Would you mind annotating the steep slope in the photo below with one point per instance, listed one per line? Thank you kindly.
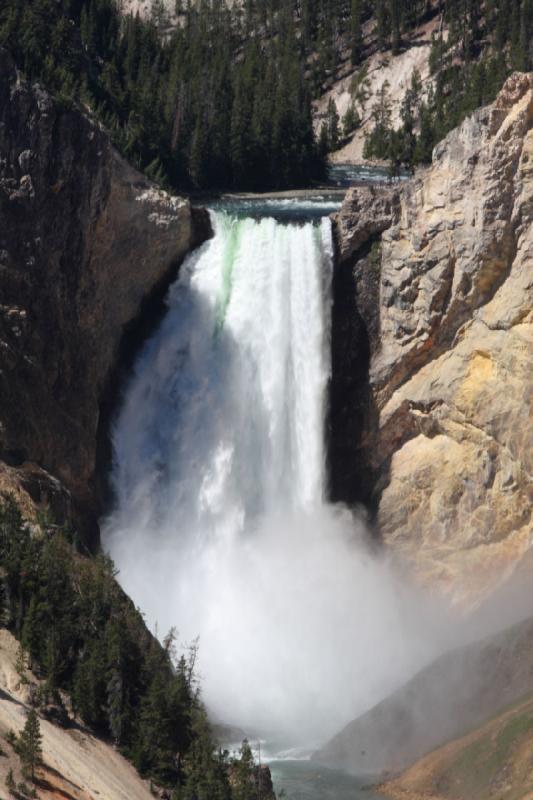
(85, 241)
(455, 693)
(493, 761)
(448, 422)
(76, 765)
(360, 87)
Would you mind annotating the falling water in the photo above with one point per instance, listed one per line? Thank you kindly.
(221, 525)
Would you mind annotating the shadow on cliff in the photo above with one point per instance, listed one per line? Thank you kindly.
(136, 334)
(352, 414)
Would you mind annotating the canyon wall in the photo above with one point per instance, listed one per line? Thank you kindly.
(85, 243)
(447, 306)
(455, 693)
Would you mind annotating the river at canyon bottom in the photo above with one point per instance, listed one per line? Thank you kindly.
(306, 780)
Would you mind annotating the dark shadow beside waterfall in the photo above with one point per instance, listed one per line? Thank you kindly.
(151, 313)
(352, 416)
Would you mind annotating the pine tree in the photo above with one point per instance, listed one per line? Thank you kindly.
(10, 782)
(29, 746)
(406, 141)
(119, 661)
(323, 140)
(243, 787)
(205, 770)
(159, 14)
(30, 637)
(395, 17)
(333, 125)
(377, 144)
(226, 99)
(426, 138)
(350, 120)
(356, 34)
(382, 23)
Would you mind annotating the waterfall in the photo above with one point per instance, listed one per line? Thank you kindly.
(221, 526)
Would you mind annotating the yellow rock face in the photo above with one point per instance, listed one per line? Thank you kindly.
(455, 369)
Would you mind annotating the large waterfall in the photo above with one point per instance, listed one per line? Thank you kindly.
(221, 525)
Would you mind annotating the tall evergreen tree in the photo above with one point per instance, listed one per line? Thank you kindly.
(29, 745)
(356, 33)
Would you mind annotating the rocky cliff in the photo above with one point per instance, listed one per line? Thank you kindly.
(85, 243)
(447, 306)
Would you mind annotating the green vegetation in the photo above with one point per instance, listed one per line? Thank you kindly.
(28, 745)
(83, 635)
(222, 102)
(10, 782)
(497, 757)
(330, 132)
(224, 98)
(486, 42)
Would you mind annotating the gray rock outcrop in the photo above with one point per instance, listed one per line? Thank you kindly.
(84, 241)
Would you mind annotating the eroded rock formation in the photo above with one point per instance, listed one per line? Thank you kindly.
(85, 241)
(450, 432)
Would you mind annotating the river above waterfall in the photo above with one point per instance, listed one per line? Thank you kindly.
(285, 208)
